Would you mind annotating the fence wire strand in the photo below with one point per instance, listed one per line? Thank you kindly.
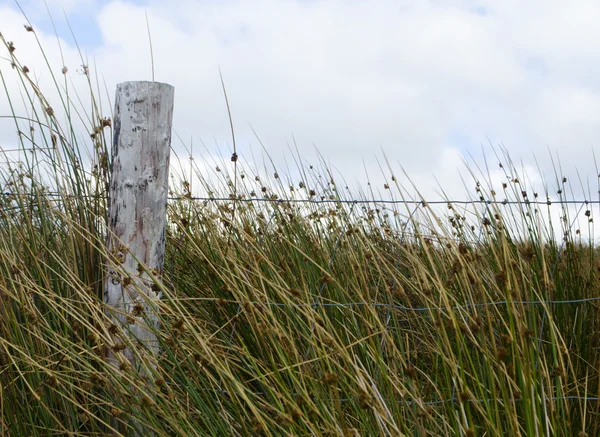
(331, 201)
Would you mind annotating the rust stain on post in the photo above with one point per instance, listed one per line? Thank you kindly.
(137, 209)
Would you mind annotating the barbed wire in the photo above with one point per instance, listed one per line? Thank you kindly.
(332, 201)
(395, 202)
(393, 306)
(443, 401)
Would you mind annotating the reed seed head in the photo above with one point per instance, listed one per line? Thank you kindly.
(331, 379)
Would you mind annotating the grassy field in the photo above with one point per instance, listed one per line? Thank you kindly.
(318, 318)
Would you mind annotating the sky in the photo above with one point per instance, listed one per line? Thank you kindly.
(426, 84)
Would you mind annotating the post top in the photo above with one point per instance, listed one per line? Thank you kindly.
(143, 82)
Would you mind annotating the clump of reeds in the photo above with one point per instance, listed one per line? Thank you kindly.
(337, 316)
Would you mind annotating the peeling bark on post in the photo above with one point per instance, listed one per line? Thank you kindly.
(137, 210)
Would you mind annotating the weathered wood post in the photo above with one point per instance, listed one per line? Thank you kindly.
(137, 210)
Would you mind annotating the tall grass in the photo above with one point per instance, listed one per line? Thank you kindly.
(288, 318)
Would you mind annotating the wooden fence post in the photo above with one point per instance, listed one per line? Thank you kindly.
(137, 210)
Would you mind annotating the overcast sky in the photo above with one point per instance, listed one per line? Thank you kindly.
(425, 82)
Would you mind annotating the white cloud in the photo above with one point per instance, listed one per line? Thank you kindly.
(39, 6)
(357, 77)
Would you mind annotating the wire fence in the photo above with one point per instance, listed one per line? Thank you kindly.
(390, 307)
(450, 400)
(330, 201)
(394, 307)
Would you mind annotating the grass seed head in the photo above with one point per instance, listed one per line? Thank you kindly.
(364, 400)
(502, 353)
(326, 279)
(331, 379)
(124, 365)
(118, 347)
(500, 278)
(410, 371)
